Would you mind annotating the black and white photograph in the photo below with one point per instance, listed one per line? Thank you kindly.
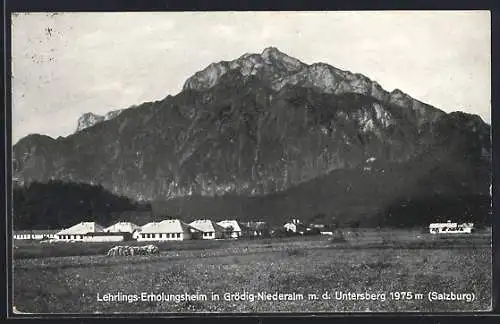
(251, 162)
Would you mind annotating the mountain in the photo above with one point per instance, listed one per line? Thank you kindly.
(89, 119)
(262, 125)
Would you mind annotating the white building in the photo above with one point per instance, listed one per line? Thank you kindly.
(132, 230)
(450, 228)
(295, 226)
(35, 234)
(107, 237)
(209, 229)
(122, 227)
(233, 228)
(78, 231)
(166, 230)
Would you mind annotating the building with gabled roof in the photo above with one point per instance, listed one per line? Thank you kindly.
(233, 228)
(166, 230)
(78, 231)
(209, 229)
(122, 227)
(295, 226)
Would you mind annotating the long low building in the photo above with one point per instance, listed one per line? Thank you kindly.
(107, 237)
(166, 230)
(35, 234)
(123, 227)
(450, 228)
(78, 231)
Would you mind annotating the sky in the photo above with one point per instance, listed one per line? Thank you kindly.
(68, 64)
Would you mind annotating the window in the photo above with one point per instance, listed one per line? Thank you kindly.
(153, 235)
(178, 235)
(143, 235)
(168, 235)
(81, 237)
(210, 234)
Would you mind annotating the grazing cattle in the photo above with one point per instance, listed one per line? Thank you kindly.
(133, 250)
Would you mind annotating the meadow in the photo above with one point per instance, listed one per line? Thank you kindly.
(67, 278)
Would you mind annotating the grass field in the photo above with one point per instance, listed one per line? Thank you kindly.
(67, 278)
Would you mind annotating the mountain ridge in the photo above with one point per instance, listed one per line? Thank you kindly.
(256, 126)
(89, 119)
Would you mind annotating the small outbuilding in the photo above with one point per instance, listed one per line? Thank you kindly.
(209, 229)
(234, 229)
(295, 226)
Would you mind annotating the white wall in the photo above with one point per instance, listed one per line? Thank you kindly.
(211, 235)
(72, 237)
(111, 238)
(163, 237)
(235, 234)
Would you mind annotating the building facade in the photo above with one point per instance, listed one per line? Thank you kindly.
(209, 230)
(107, 237)
(450, 228)
(166, 230)
(295, 226)
(234, 229)
(77, 232)
(35, 234)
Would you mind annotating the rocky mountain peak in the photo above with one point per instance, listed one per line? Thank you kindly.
(90, 119)
(271, 51)
(272, 55)
(257, 125)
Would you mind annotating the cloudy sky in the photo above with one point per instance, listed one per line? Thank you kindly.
(67, 64)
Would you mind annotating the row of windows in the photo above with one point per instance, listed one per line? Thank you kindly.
(69, 237)
(166, 235)
(23, 235)
(208, 234)
(33, 235)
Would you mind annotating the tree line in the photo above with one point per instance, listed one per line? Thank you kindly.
(59, 204)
